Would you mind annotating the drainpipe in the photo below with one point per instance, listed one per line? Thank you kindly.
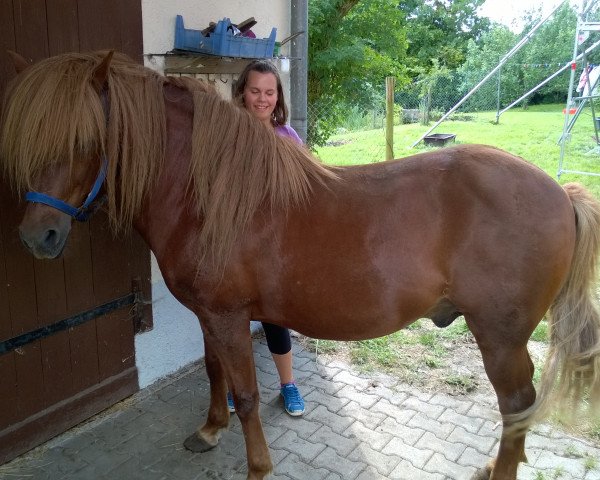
(299, 67)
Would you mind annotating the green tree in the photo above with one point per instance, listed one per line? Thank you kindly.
(441, 29)
(353, 46)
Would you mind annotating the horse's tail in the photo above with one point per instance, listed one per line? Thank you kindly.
(571, 375)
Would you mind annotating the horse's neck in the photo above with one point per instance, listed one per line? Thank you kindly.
(166, 207)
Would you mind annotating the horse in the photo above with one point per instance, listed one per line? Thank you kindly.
(247, 225)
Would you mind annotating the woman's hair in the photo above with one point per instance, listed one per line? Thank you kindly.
(280, 113)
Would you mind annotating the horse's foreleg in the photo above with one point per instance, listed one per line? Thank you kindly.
(229, 338)
(207, 435)
(510, 372)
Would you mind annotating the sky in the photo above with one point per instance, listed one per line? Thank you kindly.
(508, 12)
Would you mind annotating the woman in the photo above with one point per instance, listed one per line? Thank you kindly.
(259, 91)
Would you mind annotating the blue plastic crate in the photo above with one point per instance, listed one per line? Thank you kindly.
(222, 41)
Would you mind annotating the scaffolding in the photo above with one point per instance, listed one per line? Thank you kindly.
(575, 104)
(502, 61)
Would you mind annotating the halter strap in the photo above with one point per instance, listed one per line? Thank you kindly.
(80, 214)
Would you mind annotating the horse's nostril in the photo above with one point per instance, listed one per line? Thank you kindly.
(50, 237)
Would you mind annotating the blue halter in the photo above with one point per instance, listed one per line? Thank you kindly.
(80, 214)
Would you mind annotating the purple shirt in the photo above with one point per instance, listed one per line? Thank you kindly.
(287, 131)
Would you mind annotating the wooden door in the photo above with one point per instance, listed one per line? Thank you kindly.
(66, 326)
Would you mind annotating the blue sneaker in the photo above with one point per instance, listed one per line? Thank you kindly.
(292, 400)
(230, 404)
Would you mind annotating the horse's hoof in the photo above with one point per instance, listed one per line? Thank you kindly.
(196, 444)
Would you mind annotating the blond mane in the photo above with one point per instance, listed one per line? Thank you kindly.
(52, 113)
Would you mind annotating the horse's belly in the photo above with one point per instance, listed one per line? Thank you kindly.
(349, 312)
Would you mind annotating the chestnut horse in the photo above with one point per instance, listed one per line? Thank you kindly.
(247, 225)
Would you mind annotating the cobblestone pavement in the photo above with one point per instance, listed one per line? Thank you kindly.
(355, 428)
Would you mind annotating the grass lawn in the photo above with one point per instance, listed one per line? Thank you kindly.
(531, 134)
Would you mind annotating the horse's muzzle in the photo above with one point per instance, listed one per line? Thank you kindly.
(45, 241)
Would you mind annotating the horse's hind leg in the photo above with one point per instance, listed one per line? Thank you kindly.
(510, 371)
(207, 436)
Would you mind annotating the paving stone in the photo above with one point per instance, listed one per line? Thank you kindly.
(440, 430)
(423, 407)
(375, 437)
(409, 435)
(456, 405)
(333, 476)
(363, 415)
(351, 393)
(343, 366)
(473, 458)
(593, 474)
(472, 424)
(527, 472)
(401, 414)
(319, 369)
(306, 450)
(267, 378)
(333, 404)
(549, 461)
(215, 459)
(341, 444)
(298, 360)
(303, 426)
(357, 383)
(273, 433)
(330, 459)
(491, 429)
(337, 423)
(449, 450)
(438, 463)
(484, 412)
(275, 476)
(391, 394)
(405, 470)
(384, 464)
(15, 471)
(295, 468)
(371, 473)
(481, 443)
(418, 457)
(532, 454)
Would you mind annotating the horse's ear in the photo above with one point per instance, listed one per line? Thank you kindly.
(18, 61)
(101, 72)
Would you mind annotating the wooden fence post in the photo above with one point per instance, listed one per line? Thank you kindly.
(389, 117)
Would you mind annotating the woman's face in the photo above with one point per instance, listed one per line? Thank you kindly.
(260, 95)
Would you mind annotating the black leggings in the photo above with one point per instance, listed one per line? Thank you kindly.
(278, 338)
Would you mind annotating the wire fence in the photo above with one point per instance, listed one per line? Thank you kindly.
(421, 105)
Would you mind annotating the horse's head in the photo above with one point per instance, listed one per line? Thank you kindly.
(60, 196)
(63, 183)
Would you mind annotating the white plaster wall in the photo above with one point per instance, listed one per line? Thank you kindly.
(176, 339)
(159, 20)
